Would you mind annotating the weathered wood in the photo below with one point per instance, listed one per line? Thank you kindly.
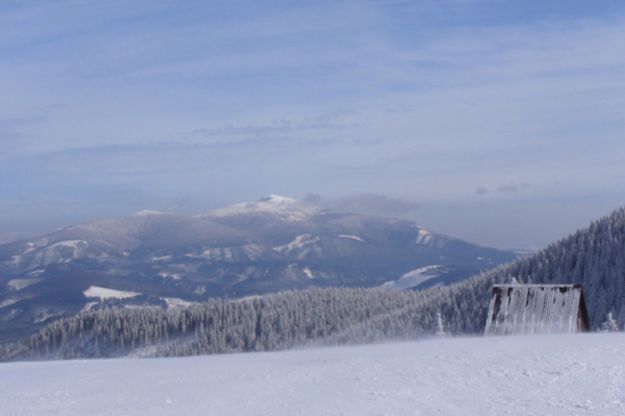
(536, 309)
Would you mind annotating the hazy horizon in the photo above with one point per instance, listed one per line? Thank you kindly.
(498, 123)
(367, 204)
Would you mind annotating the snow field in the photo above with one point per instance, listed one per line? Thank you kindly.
(541, 375)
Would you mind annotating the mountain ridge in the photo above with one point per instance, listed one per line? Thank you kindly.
(593, 257)
(274, 244)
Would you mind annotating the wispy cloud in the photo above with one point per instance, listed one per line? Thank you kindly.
(367, 203)
(511, 188)
(319, 123)
(420, 100)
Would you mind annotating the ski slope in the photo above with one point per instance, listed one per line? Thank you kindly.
(540, 375)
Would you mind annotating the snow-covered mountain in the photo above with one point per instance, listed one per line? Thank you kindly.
(592, 257)
(273, 244)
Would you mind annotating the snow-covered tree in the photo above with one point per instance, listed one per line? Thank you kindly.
(440, 327)
(610, 324)
(594, 257)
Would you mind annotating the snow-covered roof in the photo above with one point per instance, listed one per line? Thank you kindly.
(536, 309)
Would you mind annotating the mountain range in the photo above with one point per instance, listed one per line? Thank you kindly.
(593, 257)
(170, 260)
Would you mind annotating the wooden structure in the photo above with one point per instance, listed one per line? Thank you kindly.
(536, 309)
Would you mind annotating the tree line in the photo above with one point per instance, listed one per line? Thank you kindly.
(593, 257)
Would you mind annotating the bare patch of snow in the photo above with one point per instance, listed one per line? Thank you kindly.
(424, 237)
(13, 313)
(248, 298)
(19, 284)
(161, 258)
(303, 245)
(309, 274)
(88, 306)
(351, 237)
(170, 275)
(42, 317)
(12, 300)
(106, 293)
(253, 251)
(8, 302)
(414, 277)
(58, 252)
(31, 247)
(73, 244)
(227, 254)
(177, 303)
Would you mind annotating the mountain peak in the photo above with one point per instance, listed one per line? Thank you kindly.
(271, 204)
(275, 199)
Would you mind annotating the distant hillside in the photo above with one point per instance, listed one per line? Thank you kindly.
(594, 257)
(168, 260)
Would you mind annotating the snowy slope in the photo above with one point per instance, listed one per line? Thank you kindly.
(415, 277)
(542, 375)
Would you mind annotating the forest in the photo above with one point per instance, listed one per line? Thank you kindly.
(593, 257)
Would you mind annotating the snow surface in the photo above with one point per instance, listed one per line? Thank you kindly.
(58, 252)
(542, 375)
(351, 237)
(303, 245)
(105, 293)
(168, 275)
(291, 208)
(73, 244)
(19, 284)
(161, 258)
(415, 277)
(424, 237)
(8, 302)
(177, 303)
(309, 274)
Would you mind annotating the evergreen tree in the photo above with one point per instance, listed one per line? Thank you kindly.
(610, 324)
(440, 327)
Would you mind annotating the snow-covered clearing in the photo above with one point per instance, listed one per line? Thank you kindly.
(19, 284)
(351, 237)
(540, 375)
(300, 242)
(424, 237)
(106, 293)
(73, 244)
(415, 277)
(177, 303)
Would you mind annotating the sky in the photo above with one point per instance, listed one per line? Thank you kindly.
(500, 122)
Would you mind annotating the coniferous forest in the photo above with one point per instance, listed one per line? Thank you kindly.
(594, 257)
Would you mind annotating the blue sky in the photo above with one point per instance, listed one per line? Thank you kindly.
(501, 122)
